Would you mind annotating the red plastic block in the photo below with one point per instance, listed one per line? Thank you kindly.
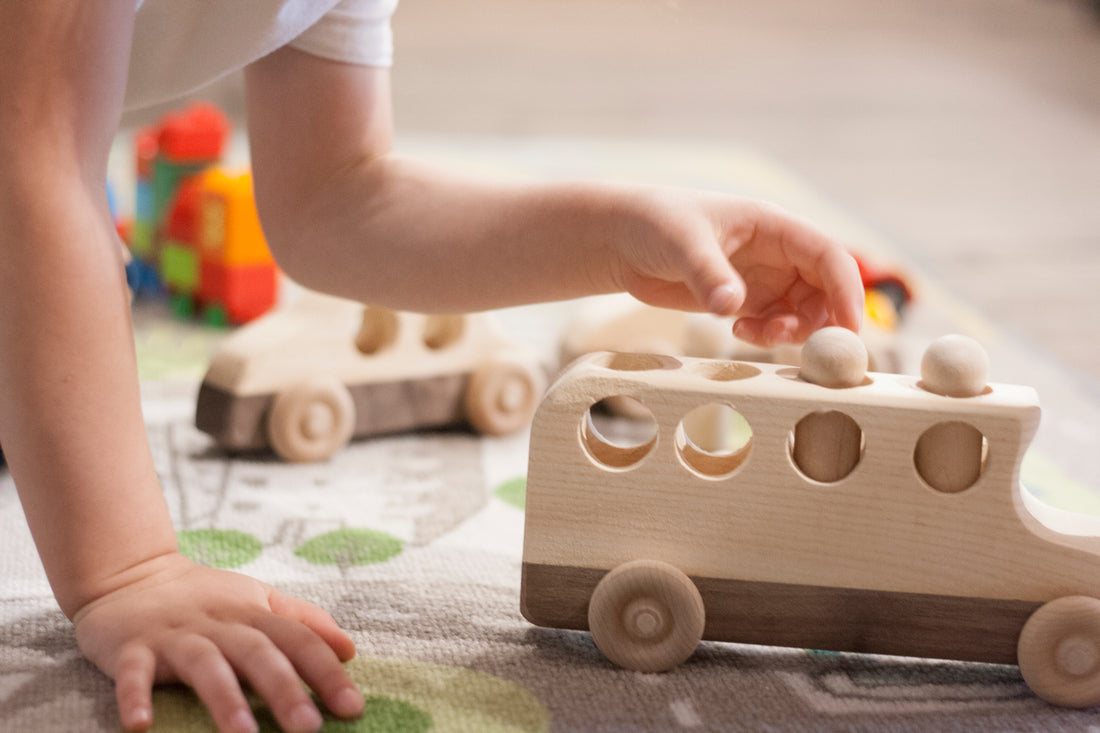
(196, 133)
(246, 292)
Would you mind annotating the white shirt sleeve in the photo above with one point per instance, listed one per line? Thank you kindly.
(180, 45)
(355, 31)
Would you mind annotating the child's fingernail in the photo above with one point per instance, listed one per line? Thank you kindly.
(721, 298)
(140, 719)
(243, 722)
(347, 702)
(304, 717)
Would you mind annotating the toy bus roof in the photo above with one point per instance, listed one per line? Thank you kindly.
(645, 374)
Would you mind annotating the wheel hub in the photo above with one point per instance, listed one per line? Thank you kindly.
(1076, 656)
(645, 620)
(318, 421)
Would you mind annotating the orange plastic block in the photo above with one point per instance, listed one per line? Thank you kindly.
(230, 232)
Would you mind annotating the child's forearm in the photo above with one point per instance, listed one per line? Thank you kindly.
(70, 415)
(343, 214)
(400, 233)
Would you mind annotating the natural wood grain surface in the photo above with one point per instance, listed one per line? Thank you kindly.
(884, 526)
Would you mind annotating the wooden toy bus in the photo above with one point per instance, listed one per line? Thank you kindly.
(817, 507)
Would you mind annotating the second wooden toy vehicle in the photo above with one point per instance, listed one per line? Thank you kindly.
(306, 380)
(819, 507)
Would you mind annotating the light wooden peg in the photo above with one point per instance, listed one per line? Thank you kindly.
(949, 455)
(827, 445)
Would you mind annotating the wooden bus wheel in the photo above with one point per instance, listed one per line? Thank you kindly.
(311, 420)
(646, 615)
(1059, 651)
(502, 396)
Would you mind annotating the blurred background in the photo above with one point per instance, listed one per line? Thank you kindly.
(967, 132)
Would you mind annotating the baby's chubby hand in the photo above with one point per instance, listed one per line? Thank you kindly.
(780, 276)
(175, 620)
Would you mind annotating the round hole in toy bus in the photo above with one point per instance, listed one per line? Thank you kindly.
(826, 446)
(378, 330)
(621, 361)
(618, 432)
(726, 371)
(951, 456)
(441, 331)
(713, 440)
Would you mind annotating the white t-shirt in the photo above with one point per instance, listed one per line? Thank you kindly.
(180, 45)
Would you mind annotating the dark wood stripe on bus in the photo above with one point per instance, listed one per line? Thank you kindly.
(811, 617)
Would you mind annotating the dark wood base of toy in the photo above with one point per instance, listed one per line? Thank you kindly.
(811, 617)
(238, 422)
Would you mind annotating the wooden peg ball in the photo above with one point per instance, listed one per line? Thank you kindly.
(834, 357)
(955, 366)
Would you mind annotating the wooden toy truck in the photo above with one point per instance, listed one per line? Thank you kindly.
(306, 380)
(817, 507)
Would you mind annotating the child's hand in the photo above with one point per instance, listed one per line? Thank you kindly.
(184, 622)
(781, 277)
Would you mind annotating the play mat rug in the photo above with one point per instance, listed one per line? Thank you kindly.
(413, 543)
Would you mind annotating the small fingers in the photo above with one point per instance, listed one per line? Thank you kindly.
(819, 260)
(317, 664)
(257, 659)
(844, 289)
(199, 663)
(134, 676)
(713, 281)
(768, 332)
(784, 323)
(315, 618)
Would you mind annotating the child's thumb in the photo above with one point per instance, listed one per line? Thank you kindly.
(718, 288)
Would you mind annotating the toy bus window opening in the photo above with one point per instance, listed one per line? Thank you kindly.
(713, 440)
(826, 446)
(441, 331)
(951, 456)
(618, 432)
(377, 332)
(627, 362)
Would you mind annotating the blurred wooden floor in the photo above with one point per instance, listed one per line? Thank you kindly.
(967, 131)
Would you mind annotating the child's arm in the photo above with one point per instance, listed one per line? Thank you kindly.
(70, 413)
(345, 215)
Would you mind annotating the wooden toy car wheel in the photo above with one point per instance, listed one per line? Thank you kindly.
(502, 396)
(311, 420)
(1059, 651)
(646, 615)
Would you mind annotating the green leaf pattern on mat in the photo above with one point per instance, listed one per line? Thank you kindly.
(381, 714)
(349, 547)
(513, 492)
(402, 695)
(219, 548)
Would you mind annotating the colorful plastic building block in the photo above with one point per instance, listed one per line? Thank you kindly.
(237, 276)
(306, 380)
(196, 224)
(819, 507)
